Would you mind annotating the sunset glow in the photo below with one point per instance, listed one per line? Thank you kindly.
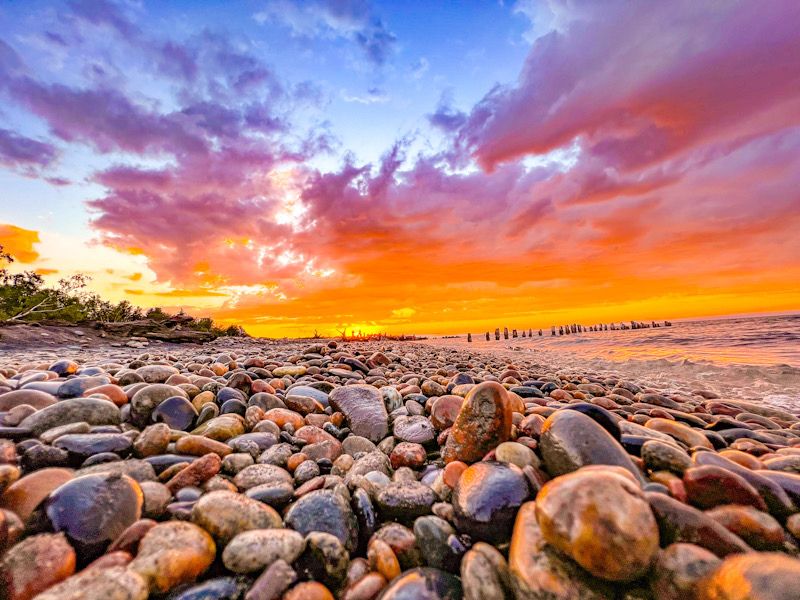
(407, 167)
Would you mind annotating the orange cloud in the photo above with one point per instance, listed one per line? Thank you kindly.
(19, 242)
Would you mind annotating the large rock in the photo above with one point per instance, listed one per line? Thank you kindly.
(597, 518)
(571, 440)
(538, 571)
(91, 410)
(483, 422)
(362, 406)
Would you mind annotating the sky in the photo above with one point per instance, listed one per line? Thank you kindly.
(408, 167)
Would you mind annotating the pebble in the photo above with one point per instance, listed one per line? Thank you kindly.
(324, 559)
(485, 574)
(324, 470)
(425, 583)
(115, 583)
(90, 410)
(571, 440)
(483, 422)
(486, 499)
(539, 571)
(25, 494)
(226, 514)
(35, 564)
(763, 576)
(172, 554)
(93, 510)
(363, 407)
(326, 511)
(254, 550)
(596, 518)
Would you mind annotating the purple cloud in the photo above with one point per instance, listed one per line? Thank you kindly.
(19, 151)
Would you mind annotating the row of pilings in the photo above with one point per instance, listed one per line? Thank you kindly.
(575, 328)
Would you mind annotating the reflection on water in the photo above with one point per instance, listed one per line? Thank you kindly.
(755, 358)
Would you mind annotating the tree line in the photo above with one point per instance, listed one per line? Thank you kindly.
(24, 297)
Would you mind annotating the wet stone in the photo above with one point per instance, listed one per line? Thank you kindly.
(596, 517)
(80, 446)
(485, 574)
(177, 412)
(326, 511)
(760, 576)
(116, 583)
(24, 495)
(90, 410)
(679, 568)
(571, 440)
(93, 510)
(539, 571)
(486, 499)
(425, 583)
(483, 422)
(437, 541)
(153, 440)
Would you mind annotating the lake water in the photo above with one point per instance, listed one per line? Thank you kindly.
(752, 358)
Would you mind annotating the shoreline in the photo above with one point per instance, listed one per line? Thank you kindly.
(347, 470)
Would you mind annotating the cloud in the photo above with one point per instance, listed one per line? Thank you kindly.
(18, 151)
(19, 242)
(373, 96)
(354, 20)
(643, 155)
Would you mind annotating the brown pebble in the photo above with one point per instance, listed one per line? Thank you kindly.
(272, 582)
(382, 559)
(129, 539)
(366, 588)
(34, 565)
(196, 473)
(308, 590)
(26, 493)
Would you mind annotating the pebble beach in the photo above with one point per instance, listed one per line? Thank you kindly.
(316, 469)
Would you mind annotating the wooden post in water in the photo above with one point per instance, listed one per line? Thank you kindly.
(487, 336)
(469, 337)
(523, 333)
(505, 332)
(552, 330)
(513, 333)
(540, 333)
(497, 333)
